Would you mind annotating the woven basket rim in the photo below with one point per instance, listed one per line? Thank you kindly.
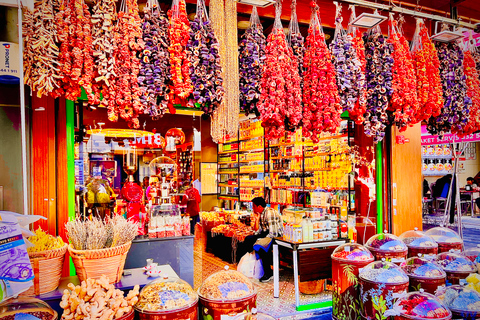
(100, 253)
(49, 254)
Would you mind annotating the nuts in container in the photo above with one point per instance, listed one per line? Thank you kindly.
(226, 285)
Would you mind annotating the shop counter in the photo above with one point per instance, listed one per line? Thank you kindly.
(175, 251)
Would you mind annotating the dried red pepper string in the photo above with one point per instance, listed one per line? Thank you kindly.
(473, 91)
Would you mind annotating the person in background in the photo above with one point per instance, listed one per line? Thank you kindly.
(192, 199)
(197, 184)
(268, 224)
(426, 188)
(471, 182)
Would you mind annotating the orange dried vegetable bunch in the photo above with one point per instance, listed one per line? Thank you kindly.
(473, 91)
(179, 34)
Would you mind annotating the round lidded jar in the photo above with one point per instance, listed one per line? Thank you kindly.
(388, 246)
(424, 274)
(421, 305)
(446, 238)
(474, 255)
(34, 308)
(352, 252)
(171, 298)
(418, 242)
(456, 265)
(464, 302)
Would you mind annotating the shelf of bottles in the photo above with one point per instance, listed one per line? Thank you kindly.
(228, 167)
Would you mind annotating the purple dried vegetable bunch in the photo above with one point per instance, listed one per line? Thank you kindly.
(455, 111)
(154, 76)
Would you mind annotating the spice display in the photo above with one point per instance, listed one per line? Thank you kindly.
(427, 64)
(473, 92)
(352, 252)
(419, 243)
(280, 100)
(43, 241)
(127, 66)
(179, 33)
(378, 53)
(166, 294)
(251, 59)
(446, 236)
(385, 242)
(226, 285)
(205, 65)
(154, 75)
(96, 299)
(461, 300)
(404, 100)
(321, 104)
(350, 77)
(98, 234)
(455, 262)
(420, 305)
(454, 114)
(383, 272)
(422, 267)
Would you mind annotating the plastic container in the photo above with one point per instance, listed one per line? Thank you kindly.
(446, 238)
(167, 299)
(347, 260)
(380, 279)
(456, 266)
(419, 243)
(388, 246)
(226, 293)
(424, 274)
(421, 305)
(253, 316)
(474, 255)
(462, 301)
(37, 309)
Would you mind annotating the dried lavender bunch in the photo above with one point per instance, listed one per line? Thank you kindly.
(122, 231)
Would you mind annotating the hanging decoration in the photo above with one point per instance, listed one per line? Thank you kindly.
(103, 24)
(295, 39)
(179, 33)
(28, 34)
(378, 53)
(473, 89)
(350, 78)
(205, 67)
(154, 76)
(429, 86)
(321, 103)
(127, 65)
(280, 99)
(251, 60)
(454, 114)
(404, 102)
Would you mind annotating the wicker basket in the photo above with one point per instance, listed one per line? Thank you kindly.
(47, 267)
(95, 263)
(311, 287)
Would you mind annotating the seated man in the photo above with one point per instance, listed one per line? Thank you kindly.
(268, 224)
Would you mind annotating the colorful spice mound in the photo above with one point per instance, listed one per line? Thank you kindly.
(473, 85)
(454, 115)
(423, 242)
(179, 33)
(321, 103)
(473, 281)
(455, 262)
(378, 53)
(386, 242)
(427, 64)
(382, 273)
(226, 285)
(42, 241)
(251, 60)
(422, 267)
(205, 67)
(154, 76)
(421, 305)
(165, 296)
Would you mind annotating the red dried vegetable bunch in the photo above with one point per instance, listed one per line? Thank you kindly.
(179, 33)
(404, 101)
(129, 41)
(427, 64)
(280, 99)
(321, 103)
(473, 91)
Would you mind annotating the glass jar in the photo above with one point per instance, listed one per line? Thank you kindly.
(34, 308)
(419, 243)
(462, 301)
(421, 305)
(456, 266)
(424, 274)
(446, 238)
(388, 246)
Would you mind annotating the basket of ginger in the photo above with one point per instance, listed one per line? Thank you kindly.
(46, 257)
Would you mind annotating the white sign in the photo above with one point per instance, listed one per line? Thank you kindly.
(9, 63)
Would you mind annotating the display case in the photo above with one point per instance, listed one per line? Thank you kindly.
(474, 255)
(424, 274)
(421, 305)
(27, 308)
(380, 280)
(167, 299)
(347, 260)
(456, 266)
(419, 243)
(226, 293)
(446, 238)
(388, 246)
(462, 301)
(165, 221)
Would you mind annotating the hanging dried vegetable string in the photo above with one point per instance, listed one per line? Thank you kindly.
(154, 76)
(321, 103)
(404, 101)
(473, 87)
(103, 24)
(295, 39)
(251, 60)
(429, 86)
(205, 68)
(378, 52)
(350, 78)
(28, 33)
(66, 21)
(280, 99)
(179, 33)
(128, 37)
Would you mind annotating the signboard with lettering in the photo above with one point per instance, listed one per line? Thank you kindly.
(9, 63)
(447, 138)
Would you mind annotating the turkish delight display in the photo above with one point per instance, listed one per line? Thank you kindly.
(420, 305)
(446, 238)
(419, 243)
